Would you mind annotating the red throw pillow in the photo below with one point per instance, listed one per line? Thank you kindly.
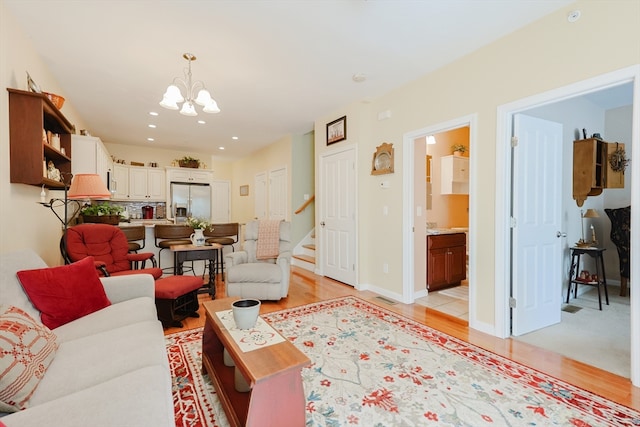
(65, 293)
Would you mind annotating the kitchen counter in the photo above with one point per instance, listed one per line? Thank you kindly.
(145, 222)
(454, 230)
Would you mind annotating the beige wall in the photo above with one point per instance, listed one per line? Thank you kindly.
(24, 223)
(275, 156)
(547, 54)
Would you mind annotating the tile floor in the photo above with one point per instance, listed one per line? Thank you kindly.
(452, 301)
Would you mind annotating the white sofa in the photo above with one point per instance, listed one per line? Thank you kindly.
(111, 367)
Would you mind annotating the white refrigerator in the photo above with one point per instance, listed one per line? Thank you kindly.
(190, 200)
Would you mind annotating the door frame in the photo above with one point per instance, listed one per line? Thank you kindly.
(409, 262)
(503, 248)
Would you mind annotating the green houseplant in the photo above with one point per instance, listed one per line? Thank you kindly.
(104, 213)
(458, 148)
(189, 162)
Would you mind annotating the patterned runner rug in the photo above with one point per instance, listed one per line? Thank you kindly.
(372, 367)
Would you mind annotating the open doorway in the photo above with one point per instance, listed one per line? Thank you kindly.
(419, 215)
(447, 221)
(577, 108)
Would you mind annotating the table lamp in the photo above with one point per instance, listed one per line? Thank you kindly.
(84, 186)
(590, 213)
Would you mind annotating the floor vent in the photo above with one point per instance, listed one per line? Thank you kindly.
(386, 300)
(571, 308)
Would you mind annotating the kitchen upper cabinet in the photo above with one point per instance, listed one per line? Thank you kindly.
(188, 175)
(30, 116)
(119, 185)
(146, 184)
(90, 156)
(446, 260)
(454, 175)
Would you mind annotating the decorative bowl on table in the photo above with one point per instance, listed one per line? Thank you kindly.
(57, 100)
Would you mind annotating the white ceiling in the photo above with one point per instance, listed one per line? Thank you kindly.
(273, 66)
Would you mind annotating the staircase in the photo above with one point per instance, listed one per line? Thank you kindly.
(305, 253)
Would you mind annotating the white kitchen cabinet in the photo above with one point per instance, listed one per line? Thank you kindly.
(139, 183)
(454, 175)
(90, 156)
(146, 184)
(120, 182)
(188, 175)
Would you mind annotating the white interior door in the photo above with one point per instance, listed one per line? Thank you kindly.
(278, 194)
(260, 196)
(221, 206)
(537, 205)
(337, 216)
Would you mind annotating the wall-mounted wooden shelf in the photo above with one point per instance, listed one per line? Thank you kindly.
(30, 114)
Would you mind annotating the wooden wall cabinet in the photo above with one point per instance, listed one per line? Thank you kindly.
(446, 260)
(91, 156)
(29, 114)
(592, 172)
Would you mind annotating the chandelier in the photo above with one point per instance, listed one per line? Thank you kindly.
(173, 95)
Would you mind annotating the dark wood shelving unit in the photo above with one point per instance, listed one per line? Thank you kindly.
(29, 114)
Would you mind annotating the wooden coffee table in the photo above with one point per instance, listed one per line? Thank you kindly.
(273, 373)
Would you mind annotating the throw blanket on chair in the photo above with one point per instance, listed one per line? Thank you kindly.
(268, 245)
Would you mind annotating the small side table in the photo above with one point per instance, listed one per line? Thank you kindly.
(574, 273)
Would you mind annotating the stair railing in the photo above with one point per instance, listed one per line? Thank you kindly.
(305, 204)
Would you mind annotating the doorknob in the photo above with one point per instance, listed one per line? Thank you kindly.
(322, 223)
(560, 234)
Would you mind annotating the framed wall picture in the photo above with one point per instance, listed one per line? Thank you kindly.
(337, 130)
(244, 190)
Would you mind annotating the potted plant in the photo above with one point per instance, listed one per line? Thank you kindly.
(189, 162)
(103, 213)
(458, 149)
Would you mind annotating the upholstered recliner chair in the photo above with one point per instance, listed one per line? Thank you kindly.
(264, 279)
(109, 248)
(621, 237)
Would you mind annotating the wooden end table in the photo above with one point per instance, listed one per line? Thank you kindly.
(273, 373)
(182, 253)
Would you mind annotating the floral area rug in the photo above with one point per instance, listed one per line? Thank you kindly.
(371, 367)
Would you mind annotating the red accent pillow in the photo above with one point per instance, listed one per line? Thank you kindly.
(65, 293)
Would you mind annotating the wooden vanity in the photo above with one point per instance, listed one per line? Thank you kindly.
(446, 260)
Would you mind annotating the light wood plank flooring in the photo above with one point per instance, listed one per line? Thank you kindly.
(307, 287)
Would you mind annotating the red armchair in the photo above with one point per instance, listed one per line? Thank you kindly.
(109, 247)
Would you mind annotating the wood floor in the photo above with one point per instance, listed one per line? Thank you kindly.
(307, 287)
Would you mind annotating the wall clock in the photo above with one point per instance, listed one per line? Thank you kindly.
(382, 159)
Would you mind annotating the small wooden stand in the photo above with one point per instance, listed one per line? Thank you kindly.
(276, 396)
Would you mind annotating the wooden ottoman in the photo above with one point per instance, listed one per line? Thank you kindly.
(177, 298)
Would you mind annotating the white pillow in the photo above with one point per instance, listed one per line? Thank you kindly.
(27, 348)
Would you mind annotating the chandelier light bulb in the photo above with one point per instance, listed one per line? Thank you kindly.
(173, 94)
(188, 109)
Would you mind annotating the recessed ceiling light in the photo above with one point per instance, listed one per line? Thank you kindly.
(359, 77)
(152, 126)
(150, 139)
(153, 113)
(234, 137)
(201, 122)
(220, 148)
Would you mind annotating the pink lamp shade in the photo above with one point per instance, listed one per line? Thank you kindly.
(88, 186)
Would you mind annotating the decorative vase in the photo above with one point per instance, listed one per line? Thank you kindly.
(457, 153)
(245, 312)
(197, 237)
